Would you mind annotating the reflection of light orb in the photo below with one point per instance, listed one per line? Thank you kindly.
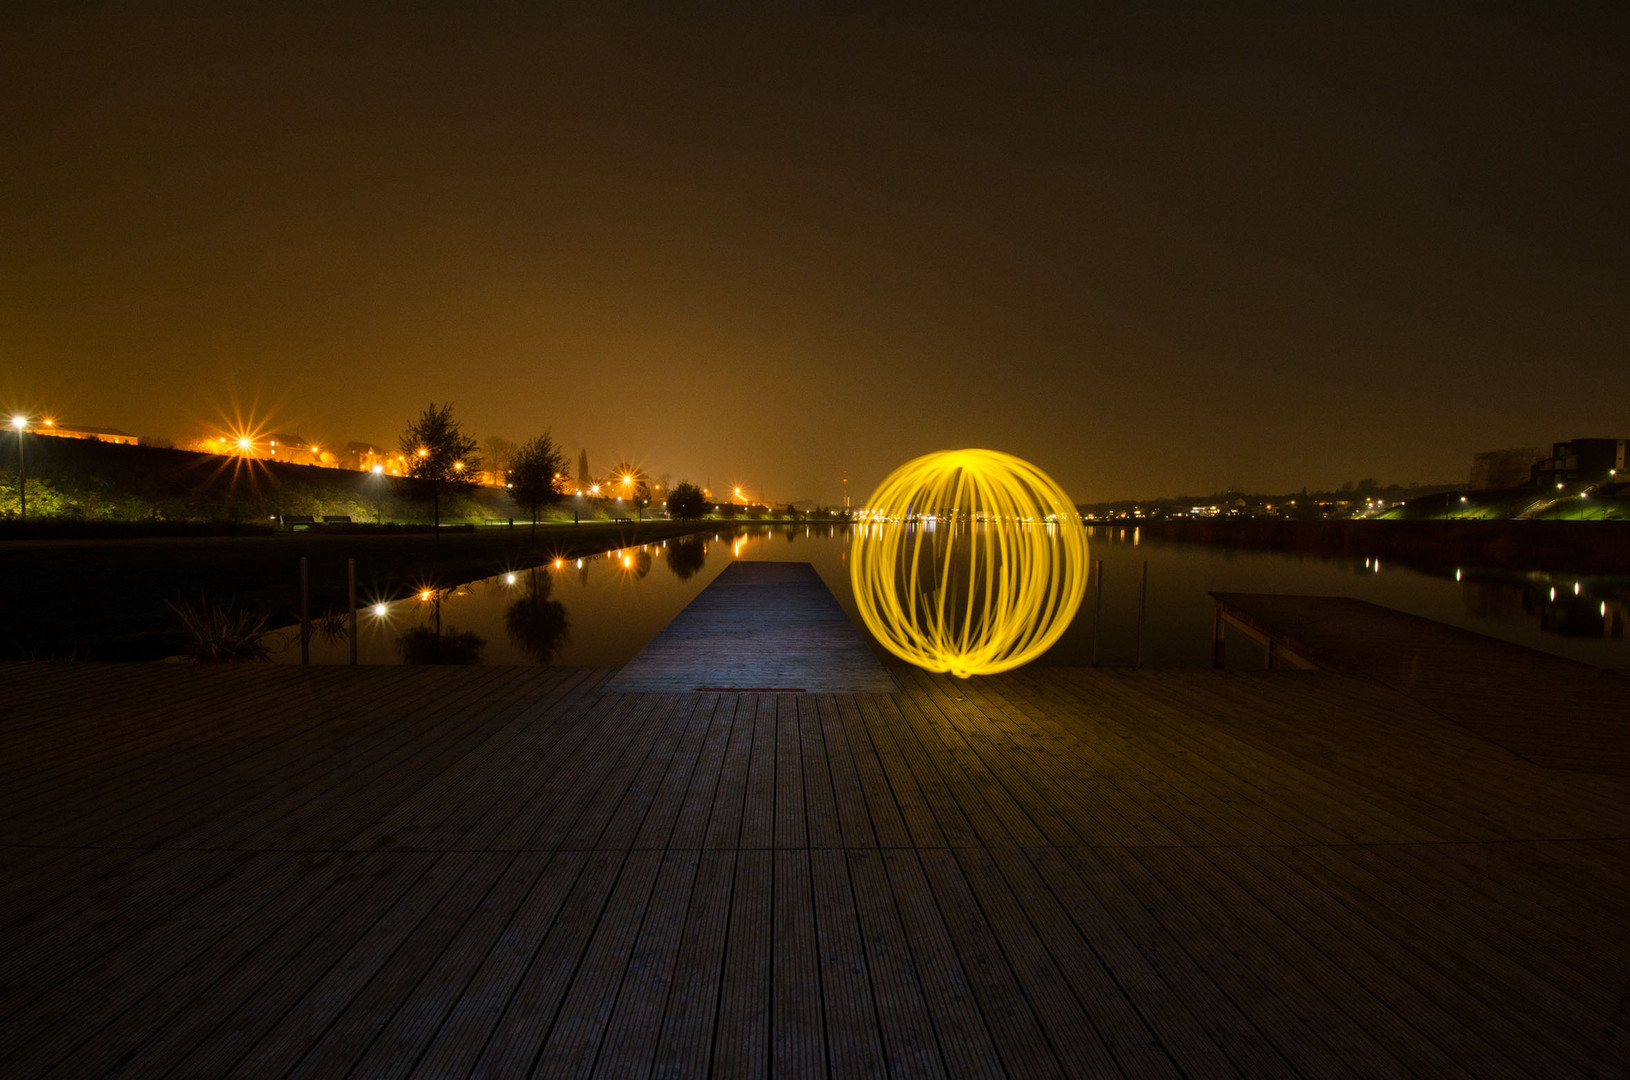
(968, 561)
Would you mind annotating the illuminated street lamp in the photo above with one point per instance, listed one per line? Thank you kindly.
(21, 424)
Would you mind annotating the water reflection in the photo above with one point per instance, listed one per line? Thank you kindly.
(537, 624)
(687, 556)
(611, 609)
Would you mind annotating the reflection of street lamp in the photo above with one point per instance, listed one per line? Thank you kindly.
(21, 424)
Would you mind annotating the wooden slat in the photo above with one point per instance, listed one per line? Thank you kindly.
(1051, 872)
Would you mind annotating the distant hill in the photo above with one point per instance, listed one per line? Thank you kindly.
(93, 481)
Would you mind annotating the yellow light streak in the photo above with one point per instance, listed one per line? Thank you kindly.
(968, 561)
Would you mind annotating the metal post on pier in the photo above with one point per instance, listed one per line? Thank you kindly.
(1097, 606)
(1143, 592)
(351, 588)
(305, 616)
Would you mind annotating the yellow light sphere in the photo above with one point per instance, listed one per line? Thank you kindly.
(968, 561)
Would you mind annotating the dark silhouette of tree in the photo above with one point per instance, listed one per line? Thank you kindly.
(686, 501)
(538, 625)
(535, 473)
(439, 455)
(687, 556)
(426, 645)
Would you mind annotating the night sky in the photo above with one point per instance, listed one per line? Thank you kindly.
(1172, 253)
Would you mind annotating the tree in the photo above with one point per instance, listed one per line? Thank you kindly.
(499, 452)
(535, 473)
(686, 501)
(439, 454)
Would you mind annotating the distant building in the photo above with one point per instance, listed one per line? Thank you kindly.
(75, 431)
(1496, 470)
(363, 456)
(278, 446)
(1580, 461)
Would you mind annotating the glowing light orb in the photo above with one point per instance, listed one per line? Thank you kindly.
(968, 561)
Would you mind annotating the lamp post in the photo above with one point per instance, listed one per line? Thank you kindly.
(21, 424)
(379, 484)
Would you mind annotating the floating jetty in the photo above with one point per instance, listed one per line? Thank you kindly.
(1552, 711)
(459, 872)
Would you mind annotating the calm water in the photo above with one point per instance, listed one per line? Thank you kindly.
(602, 610)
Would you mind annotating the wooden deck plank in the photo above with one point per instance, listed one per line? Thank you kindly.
(853, 1040)
(86, 985)
(632, 1030)
(965, 1040)
(759, 802)
(462, 979)
(1070, 1031)
(798, 1037)
(758, 626)
(211, 948)
(1066, 872)
(690, 820)
(244, 1000)
(669, 797)
(791, 827)
(574, 1038)
(820, 803)
(886, 808)
(530, 1011)
(905, 1024)
(506, 972)
(685, 1046)
(742, 1041)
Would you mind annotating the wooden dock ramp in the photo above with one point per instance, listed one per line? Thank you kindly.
(1554, 712)
(767, 627)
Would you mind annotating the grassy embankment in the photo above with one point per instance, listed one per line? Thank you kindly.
(114, 532)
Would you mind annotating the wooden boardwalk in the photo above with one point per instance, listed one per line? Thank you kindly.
(1550, 710)
(760, 626)
(503, 872)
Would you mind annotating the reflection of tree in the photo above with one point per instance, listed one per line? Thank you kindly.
(686, 556)
(639, 565)
(537, 625)
(424, 645)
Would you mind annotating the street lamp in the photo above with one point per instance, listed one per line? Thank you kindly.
(21, 424)
(379, 484)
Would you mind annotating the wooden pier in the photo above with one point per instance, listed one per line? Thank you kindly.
(761, 626)
(503, 872)
(1550, 710)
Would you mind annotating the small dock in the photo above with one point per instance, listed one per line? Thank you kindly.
(766, 627)
(1549, 710)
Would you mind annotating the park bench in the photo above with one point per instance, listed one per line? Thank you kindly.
(295, 521)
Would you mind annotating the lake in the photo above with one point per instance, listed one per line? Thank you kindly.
(603, 609)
